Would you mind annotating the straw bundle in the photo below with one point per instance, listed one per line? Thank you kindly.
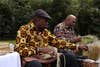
(94, 50)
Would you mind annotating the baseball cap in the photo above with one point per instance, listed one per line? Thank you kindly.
(42, 13)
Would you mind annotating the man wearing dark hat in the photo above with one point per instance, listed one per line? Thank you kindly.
(27, 36)
(33, 36)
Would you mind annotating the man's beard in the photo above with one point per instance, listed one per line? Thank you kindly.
(41, 28)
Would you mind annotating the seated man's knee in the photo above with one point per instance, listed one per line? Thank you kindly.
(33, 63)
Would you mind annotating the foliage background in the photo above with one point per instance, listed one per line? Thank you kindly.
(14, 13)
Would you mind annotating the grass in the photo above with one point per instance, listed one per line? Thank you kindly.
(9, 41)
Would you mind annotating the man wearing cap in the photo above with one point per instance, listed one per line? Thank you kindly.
(33, 36)
(27, 36)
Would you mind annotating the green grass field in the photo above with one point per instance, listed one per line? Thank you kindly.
(9, 41)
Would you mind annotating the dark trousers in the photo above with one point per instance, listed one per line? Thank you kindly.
(33, 64)
(71, 60)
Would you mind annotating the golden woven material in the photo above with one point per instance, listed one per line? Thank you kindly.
(87, 64)
(28, 40)
(94, 51)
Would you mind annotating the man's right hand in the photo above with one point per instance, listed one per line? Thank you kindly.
(52, 51)
(76, 39)
(83, 47)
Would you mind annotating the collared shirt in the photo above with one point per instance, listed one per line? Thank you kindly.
(28, 40)
(64, 32)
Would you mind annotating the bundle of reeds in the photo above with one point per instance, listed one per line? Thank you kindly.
(94, 51)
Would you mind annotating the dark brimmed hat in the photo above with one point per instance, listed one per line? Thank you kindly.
(42, 13)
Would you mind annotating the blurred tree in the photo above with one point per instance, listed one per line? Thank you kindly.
(95, 24)
(74, 7)
(58, 11)
(5, 17)
(97, 3)
(85, 16)
(14, 13)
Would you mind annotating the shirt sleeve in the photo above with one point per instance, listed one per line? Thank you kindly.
(60, 43)
(22, 42)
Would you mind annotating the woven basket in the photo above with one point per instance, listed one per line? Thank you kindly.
(4, 48)
(88, 64)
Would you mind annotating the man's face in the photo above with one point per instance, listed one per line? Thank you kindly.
(42, 24)
(70, 21)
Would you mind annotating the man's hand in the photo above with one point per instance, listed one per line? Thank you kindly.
(28, 59)
(83, 47)
(47, 51)
(76, 39)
